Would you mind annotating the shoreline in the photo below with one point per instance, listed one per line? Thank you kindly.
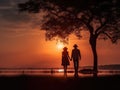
(57, 72)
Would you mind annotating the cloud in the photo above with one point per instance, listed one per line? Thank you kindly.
(9, 2)
(11, 20)
(5, 7)
(9, 11)
(10, 17)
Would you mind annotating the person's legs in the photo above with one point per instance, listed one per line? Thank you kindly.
(65, 70)
(76, 65)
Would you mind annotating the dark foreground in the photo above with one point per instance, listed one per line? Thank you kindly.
(59, 83)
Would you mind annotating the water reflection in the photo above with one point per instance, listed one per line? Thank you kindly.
(53, 72)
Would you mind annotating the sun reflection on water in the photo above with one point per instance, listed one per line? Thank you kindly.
(60, 70)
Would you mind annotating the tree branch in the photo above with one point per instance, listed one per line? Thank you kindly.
(100, 28)
(107, 35)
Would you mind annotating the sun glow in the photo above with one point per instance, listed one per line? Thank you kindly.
(60, 45)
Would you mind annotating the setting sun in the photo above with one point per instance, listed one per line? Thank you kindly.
(60, 45)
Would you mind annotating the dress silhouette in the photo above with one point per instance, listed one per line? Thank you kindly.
(76, 57)
(65, 60)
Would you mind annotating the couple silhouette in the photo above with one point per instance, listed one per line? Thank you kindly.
(75, 57)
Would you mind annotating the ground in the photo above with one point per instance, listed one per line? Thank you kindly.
(24, 82)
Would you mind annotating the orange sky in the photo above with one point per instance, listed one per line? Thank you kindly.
(29, 49)
(22, 44)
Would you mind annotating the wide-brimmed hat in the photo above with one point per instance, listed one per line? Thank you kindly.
(75, 45)
(65, 48)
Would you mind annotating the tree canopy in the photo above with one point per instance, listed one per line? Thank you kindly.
(64, 17)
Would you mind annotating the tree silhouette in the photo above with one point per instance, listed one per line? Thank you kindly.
(101, 18)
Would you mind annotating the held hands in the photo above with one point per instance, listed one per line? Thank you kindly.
(70, 59)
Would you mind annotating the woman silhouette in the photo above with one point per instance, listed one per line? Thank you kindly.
(65, 60)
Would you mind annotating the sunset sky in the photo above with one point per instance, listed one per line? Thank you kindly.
(23, 44)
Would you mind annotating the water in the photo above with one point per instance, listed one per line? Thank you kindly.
(52, 72)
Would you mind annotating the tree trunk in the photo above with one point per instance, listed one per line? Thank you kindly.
(93, 39)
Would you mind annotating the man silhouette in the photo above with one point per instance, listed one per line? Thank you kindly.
(76, 56)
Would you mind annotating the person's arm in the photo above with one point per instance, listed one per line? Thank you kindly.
(79, 54)
(62, 55)
(71, 55)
